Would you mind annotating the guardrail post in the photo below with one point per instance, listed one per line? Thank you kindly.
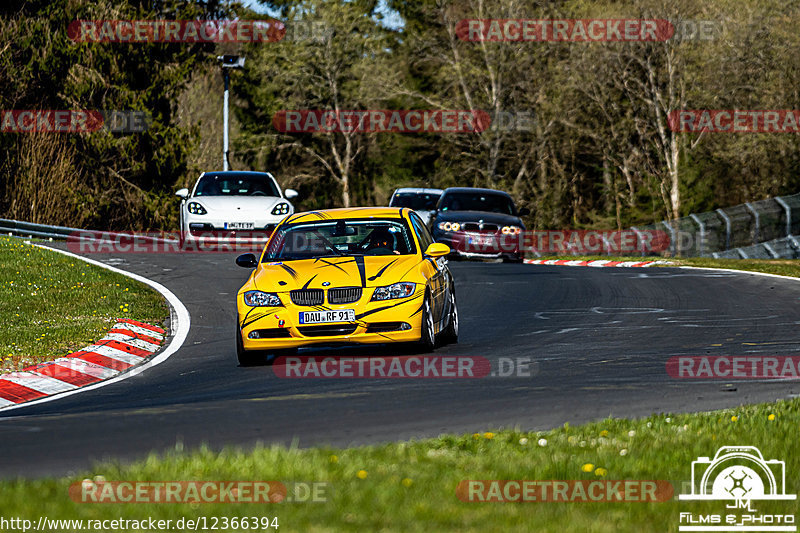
(702, 241)
(786, 207)
(671, 230)
(758, 221)
(638, 238)
(727, 220)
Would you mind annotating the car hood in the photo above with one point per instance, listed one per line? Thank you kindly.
(239, 205)
(475, 216)
(346, 271)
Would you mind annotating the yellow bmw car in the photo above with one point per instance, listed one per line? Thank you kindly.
(360, 275)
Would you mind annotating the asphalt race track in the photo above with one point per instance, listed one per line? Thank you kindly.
(599, 337)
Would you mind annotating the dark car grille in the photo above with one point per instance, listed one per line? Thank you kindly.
(327, 330)
(344, 295)
(307, 296)
(473, 226)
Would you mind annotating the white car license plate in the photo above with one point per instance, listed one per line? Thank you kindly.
(480, 240)
(322, 317)
(240, 225)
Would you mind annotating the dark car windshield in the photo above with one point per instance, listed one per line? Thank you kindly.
(418, 201)
(478, 201)
(310, 240)
(236, 185)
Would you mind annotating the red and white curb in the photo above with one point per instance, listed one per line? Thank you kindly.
(595, 263)
(126, 345)
(180, 323)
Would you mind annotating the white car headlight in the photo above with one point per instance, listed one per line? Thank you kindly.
(262, 299)
(402, 289)
(511, 230)
(196, 209)
(281, 209)
(449, 226)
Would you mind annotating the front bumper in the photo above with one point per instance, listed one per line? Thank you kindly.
(481, 245)
(385, 321)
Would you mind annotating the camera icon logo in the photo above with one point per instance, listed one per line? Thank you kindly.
(738, 473)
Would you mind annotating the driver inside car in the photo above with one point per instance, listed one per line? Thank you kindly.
(381, 238)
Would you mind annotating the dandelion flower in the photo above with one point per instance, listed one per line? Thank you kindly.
(362, 474)
(588, 467)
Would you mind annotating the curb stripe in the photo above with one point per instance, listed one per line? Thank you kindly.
(137, 330)
(67, 375)
(133, 334)
(132, 341)
(38, 382)
(85, 367)
(142, 325)
(113, 353)
(107, 362)
(595, 263)
(17, 393)
(121, 347)
(6, 403)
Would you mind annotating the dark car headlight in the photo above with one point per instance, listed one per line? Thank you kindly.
(449, 226)
(262, 299)
(511, 230)
(281, 209)
(402, 289)
(196, 209)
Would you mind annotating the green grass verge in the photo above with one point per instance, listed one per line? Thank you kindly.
(411, 486)
(52, 304)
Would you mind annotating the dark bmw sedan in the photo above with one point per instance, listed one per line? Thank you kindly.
(479, 223)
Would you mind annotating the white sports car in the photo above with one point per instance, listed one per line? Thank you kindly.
(233, 204)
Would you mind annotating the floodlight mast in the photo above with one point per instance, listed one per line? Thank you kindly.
(227, 62)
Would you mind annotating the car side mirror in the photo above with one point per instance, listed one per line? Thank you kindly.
(247, 261)
(183, 194)
(524, 212)
(290, 194)
(437, 249)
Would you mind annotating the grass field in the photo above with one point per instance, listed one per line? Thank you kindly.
(411, 486)
(52, 304)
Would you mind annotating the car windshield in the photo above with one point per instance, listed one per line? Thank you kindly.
(311, 240)
(236, 185)
(478, 201)
(419, 201)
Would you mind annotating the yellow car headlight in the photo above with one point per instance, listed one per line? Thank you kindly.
(402, 289)
(262, 299)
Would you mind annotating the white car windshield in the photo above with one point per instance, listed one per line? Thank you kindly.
(233, 184)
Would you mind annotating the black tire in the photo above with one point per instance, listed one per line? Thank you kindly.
(450, 334)
(427, 338)
(251, 358)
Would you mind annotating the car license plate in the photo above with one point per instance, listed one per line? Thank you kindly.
(480, 240)
(240, 225)
(322, 317)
